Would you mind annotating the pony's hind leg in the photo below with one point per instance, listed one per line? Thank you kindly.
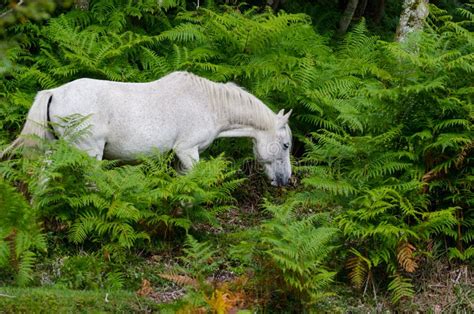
(188, 157)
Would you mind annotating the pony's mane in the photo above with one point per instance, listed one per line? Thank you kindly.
(234, 103)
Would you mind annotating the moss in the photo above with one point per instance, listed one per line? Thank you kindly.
(41, 300)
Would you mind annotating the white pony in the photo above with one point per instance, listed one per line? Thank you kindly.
(180, 112)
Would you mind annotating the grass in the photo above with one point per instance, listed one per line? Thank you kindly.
(48, 300)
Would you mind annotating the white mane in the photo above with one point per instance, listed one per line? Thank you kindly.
(233, 103)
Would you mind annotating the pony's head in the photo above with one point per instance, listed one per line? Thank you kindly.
(272, 149)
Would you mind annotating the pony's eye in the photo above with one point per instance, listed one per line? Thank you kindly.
(286, 145)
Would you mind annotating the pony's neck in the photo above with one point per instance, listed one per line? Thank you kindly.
(238, 109)
(238, 131)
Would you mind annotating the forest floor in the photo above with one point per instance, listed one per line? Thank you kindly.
(444, 291)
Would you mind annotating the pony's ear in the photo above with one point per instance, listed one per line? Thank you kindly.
(283, 118)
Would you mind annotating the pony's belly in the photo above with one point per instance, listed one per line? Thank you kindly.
(128, 150)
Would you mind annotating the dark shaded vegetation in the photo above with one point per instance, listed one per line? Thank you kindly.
(383, 161)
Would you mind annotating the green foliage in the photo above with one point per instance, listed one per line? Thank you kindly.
(17, 12)
(298, 248)
(393, 148)
(20, 235)
(36, 10)
(291, 253)
(115, 208)
(196, 265)
(197, 257)
(401, 288)
(87, 272)
(38, 300)
(387, 129)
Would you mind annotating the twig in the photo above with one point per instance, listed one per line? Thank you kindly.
(8, 11)
(366, 286)
(7, 296)
(375, 293)
(458, 277)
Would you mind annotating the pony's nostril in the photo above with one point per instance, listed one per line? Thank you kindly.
(282, 180)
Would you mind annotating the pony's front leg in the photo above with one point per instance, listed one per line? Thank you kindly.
(94, 148)
(188, 157)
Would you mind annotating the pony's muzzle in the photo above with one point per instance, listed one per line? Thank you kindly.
(280, 180)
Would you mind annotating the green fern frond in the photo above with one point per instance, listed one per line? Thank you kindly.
(25, 268)
(359, 267)
(197, 257)
(298, 247)
(400, 288)
(466, 255)
(439, 222)
(183, 33)
(449, 140)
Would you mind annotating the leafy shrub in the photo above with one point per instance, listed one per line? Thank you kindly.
(298, 249)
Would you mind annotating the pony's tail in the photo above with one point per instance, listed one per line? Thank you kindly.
(36, 126)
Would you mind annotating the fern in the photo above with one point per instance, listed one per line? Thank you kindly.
(88, 271)
(464, 255)
(292, 252)
(398, 170)
(181, 280)
(196, 266)
(197, 257)
(122, 206)
(401, 288)
(359, 269)
(20, 235)
(387, 128)
(406, 257)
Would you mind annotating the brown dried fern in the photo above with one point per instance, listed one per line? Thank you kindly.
(406, 258)
(181, 280)
(145, 289)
